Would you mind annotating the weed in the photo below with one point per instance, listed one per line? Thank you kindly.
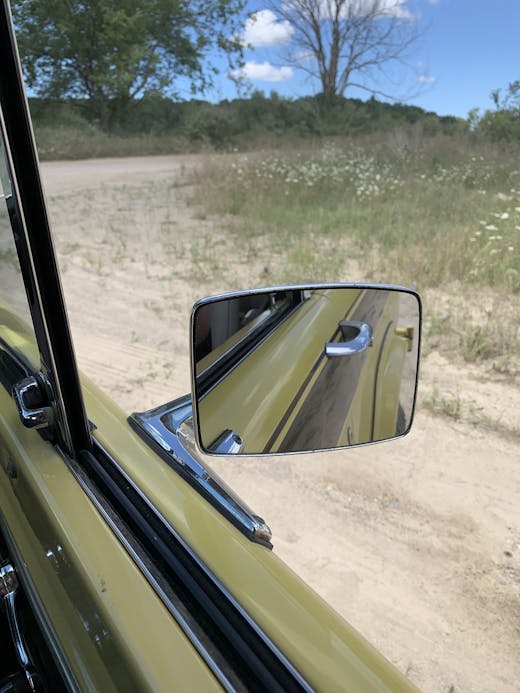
(449, 406)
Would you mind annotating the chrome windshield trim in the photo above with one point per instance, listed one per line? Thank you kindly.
(171, 428)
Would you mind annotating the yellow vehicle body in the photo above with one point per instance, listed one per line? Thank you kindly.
(108, 622)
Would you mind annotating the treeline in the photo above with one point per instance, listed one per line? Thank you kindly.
(240, 122)
(155, 124)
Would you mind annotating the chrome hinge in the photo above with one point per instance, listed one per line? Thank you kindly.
(34, 409)
(8, 592)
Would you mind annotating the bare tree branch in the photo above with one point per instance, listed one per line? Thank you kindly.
(347, 40)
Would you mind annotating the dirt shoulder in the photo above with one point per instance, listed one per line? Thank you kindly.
(415, 542)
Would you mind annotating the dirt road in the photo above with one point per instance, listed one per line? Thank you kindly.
(415, 542)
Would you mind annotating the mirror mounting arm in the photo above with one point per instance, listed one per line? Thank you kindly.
(169, 430)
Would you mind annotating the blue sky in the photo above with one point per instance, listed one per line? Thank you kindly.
(469, 48)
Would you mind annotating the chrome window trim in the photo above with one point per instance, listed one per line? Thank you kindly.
(138, 556)
(38, 264)
(37, 305)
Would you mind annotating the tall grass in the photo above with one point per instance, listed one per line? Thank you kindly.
(440, 213)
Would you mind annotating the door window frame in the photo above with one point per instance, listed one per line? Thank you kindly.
(35, 250)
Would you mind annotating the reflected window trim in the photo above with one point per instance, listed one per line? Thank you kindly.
(212, 375)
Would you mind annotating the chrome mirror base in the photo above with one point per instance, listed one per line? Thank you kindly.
(170, 427)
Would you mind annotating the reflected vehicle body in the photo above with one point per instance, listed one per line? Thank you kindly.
(306, 368)
(125, 563)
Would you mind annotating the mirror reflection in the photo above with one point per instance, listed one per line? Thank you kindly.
(295, 370)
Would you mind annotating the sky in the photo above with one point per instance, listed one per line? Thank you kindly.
(467, 49)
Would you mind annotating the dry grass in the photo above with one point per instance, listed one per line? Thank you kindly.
(431, 217)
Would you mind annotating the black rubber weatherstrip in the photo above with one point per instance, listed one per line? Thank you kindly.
(248, 656)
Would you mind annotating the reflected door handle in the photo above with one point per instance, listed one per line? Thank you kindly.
(357, 336)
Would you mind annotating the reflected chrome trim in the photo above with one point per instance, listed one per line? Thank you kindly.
(171, 428)
(227, 443)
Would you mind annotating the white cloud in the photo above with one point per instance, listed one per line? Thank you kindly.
(426, 79)
(264, 29)
(302, 56)
(264, 72)
(387, 8)
(378, 9)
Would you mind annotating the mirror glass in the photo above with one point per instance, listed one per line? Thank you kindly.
(301, 369)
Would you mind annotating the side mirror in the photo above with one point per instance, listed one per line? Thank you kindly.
(296, 369)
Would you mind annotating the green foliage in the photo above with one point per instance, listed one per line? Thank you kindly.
(110, 52)
(245, 123)
(503, 124)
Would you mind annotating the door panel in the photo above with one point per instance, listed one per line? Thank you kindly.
(97, 608)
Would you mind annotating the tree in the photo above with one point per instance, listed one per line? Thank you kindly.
(109, 52)
(502, 123)
(346, 43)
